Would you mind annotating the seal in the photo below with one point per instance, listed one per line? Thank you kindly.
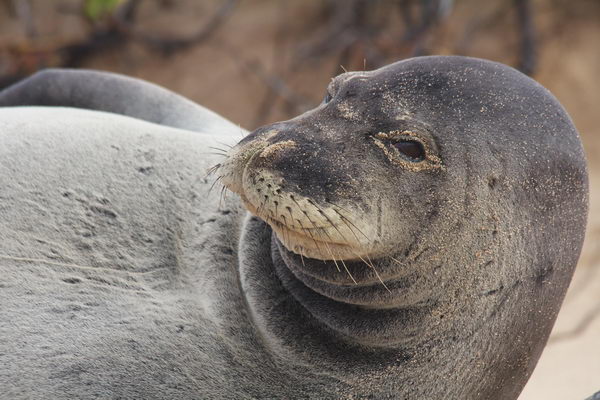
(114, 93)
(411, 237)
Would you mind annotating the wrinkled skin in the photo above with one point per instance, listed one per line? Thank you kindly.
(375, 267)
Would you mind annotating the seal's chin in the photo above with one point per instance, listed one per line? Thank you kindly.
(308, 242)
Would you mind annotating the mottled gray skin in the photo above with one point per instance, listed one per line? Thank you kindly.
(123, 278)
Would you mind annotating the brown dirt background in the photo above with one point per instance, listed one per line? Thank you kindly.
(261, 44)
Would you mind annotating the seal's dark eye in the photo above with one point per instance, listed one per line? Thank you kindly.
(327, 98)
(410, 148)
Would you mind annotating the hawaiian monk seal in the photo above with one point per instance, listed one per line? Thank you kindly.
(413, 238)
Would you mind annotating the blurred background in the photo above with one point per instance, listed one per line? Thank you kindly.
(259, 61)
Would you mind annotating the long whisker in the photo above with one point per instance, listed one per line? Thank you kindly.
(217, 148)
(340, 214)
(214, 154)
(212, 170)
(301, 258)
(285, 229)
(350, 222)
(349, 227)
(397, 261)
(333, 225)
(376, 273)
(310, 233)
(221, 196)
(323, 214)
(348, 271)
(335, 262)
(263, 203)
(225, 144)
(213, 185)
(345, 267)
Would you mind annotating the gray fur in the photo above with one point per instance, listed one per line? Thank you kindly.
(105, 91)
(123, 278)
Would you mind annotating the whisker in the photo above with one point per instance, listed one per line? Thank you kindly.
(225, 144)
(310, 233)
(221, 196)
(285, 229)
(213, 185)
(217, 148)
(335, 262)
(350, 228)
(397, 261)
(212, 170)
(376, 273)
(214, 154)
(348, 271)
(329, 237)
(259, 209)
(333, 225)
(342, 216)
(290, 212)
(350, 222)
(301, 227)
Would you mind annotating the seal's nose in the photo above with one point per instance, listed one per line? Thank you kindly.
(260, 148)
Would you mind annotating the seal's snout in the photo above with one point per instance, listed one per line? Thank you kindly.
(274, 172)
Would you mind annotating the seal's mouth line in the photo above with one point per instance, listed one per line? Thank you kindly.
(283, 226)
(319, 241)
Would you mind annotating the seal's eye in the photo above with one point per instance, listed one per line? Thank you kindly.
(327, 98)
(410, 148)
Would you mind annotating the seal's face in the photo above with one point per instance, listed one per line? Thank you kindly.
(341, 182)
(420, 170)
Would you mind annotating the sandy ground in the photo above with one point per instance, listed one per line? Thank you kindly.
(569, 61)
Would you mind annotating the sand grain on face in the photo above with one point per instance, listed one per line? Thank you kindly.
(347, 111)
(277, 147)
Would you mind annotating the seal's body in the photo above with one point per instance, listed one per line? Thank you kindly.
(413, 238)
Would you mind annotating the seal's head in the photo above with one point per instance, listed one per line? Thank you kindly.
(389, 153)
(441, 197)
(342, 182)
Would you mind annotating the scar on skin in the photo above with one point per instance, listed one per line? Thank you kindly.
(274, 148)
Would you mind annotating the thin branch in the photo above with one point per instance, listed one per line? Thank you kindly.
(527, 53)
(170, 45)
